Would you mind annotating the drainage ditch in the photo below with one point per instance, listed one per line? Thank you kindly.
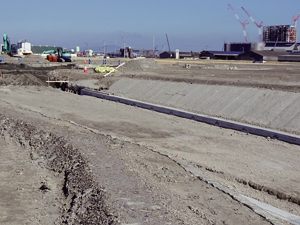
(85, 201)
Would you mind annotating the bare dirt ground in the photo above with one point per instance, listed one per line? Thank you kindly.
(93, 160)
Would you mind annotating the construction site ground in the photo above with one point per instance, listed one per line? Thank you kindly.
(74, 159)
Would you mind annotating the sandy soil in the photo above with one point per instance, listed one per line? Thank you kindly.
(119, 144)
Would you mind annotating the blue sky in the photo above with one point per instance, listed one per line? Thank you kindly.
(191, 25)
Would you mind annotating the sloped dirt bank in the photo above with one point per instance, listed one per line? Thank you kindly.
(143, 186)
(81, 200)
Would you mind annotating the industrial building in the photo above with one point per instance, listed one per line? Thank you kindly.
(260, 56)
(281, 33)
(281, 37)
(224, 55)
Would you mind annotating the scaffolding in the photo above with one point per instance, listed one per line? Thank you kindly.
(281, 33)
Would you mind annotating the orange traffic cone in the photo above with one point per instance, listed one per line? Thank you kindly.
(85, 70)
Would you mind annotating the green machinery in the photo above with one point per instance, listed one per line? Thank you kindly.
(62, 56)
(6, 48)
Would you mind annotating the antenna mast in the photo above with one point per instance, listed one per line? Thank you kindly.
(259, 28)
(243, 24)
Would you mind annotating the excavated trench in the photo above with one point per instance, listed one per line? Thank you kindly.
(84, 201)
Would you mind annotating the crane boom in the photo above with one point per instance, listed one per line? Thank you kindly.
(168, 42)
(251, 18)
(242, 23)
(259, 28)
(295, 19)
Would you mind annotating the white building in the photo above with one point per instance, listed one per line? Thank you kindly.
(23, 48)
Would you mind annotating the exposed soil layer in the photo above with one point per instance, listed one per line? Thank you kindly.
(81, 199)
(271, 75)
(105, 173)
(100, 165)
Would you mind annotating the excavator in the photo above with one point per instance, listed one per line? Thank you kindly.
(6, 48)
(62, 56)
(11, 49)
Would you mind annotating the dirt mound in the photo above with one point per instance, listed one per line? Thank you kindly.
(141, 65)
(22, 79)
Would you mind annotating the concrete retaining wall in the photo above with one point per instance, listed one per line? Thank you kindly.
(272, 109)
(282, 136)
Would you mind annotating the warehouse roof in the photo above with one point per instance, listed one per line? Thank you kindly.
(224, 52)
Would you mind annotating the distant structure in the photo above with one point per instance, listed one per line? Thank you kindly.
(281, 33)
(23, 48)
(127, 53)
(275, 38)
(282, 37)
(37, 50)
(240, 47)
(179, 55)
(88, 53)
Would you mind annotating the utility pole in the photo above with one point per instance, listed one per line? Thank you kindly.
(153, 46)
(104, 48)
(124, 45)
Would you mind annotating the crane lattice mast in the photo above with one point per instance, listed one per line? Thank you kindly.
(258, 25)
(295, 19)
(242, 23)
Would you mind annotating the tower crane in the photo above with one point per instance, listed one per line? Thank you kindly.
(242, 23)
(259, 28)
(295, 19)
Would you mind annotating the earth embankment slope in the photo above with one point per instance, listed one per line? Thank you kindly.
(143, 186)
(219, 153)
(270, 75)
(274, 109)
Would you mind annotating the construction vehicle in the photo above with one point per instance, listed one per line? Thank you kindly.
(62, 56)
(6, 48)
(22, 48)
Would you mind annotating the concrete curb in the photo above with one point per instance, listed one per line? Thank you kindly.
(229, 124)
(269, 212)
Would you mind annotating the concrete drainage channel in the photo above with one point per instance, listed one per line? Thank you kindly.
(229, 124)
(262, 209)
